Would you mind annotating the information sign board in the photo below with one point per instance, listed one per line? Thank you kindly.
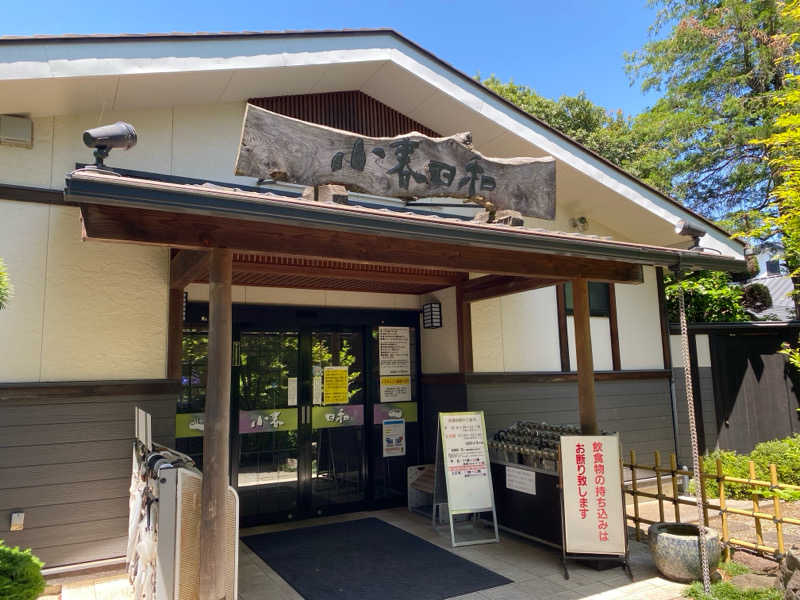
(594, 516)
(521, 480)
(394, 364)
(466, 462)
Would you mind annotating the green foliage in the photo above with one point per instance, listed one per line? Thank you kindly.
(791, 354)
(784, 454)
(20, 574)
(6, 289)
(719, 65)
(756, 297)
(783, 145)
(709, 298)
(725, 590)
(609, 134)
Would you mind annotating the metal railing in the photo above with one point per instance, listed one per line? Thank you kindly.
(672, 473)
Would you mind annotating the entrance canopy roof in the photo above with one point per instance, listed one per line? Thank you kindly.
(353, 239)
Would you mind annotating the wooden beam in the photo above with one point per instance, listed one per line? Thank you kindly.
(464, 324)
(493, 286)
(325, 272)
(187, 266)
(563, 335)
(175, 333)
(217, 428)
(199, 231)
(583, 351)
(613, 326)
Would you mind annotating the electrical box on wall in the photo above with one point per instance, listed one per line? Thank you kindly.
(16, 131)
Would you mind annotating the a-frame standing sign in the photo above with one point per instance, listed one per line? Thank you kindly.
(463, 477)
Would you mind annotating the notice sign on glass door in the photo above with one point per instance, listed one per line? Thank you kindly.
(394, 437)
(395, 364)
(334, 385)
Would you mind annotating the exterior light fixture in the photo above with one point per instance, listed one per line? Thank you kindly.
(431, 315)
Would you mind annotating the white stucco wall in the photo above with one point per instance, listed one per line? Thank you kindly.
(703, 350)
(639, 324)
(192, 141)
(81, 310)
(601, 343)
(440, 346)
(518, 332)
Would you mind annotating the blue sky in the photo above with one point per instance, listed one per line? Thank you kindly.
(554, 47)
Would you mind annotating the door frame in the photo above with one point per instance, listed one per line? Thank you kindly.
(305, 319)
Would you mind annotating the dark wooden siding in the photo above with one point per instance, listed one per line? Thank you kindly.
(351, 111)
(706, 387)
(65, 460)
(639, 410)
(757, 389)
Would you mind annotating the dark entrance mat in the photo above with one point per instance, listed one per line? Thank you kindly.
(365, 559)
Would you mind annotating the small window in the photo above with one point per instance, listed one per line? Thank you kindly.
(599, 302)
(773, 267)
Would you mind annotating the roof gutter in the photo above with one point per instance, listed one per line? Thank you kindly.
(223, 202)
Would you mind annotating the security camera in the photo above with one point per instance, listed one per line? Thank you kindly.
(104, 138)
(684, 228)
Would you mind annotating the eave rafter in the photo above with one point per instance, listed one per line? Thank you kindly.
(195, 231)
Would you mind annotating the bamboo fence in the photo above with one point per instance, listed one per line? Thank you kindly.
(757, 513)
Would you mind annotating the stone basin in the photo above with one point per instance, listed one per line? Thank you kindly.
(675, 548)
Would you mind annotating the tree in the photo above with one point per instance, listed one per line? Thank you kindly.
(6, 289)
(709, 298)
(611, 135)
(719, 67)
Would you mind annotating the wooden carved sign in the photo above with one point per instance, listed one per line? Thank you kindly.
(281, 148)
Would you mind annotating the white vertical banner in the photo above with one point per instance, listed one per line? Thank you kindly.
(394, 360)
(594, 516)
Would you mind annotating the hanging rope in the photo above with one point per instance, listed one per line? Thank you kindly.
(687, 370)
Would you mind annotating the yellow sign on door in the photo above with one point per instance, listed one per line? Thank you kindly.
(334, 385)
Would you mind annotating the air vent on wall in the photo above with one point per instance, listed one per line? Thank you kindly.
(16, 131)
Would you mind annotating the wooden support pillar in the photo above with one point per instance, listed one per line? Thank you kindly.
(583, 353)
(217, 428)
(464, 319)
(174, 333)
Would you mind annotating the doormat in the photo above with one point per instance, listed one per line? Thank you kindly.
(368, 558)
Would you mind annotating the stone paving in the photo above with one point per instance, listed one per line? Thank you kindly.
(534, 569)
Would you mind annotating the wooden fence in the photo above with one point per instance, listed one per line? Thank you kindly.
(671, 472)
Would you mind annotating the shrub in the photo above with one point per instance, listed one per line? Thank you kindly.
(784, 454)
(756, 297)
(20, 574)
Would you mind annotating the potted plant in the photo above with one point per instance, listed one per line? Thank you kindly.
(675, 548)
(20, 574)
